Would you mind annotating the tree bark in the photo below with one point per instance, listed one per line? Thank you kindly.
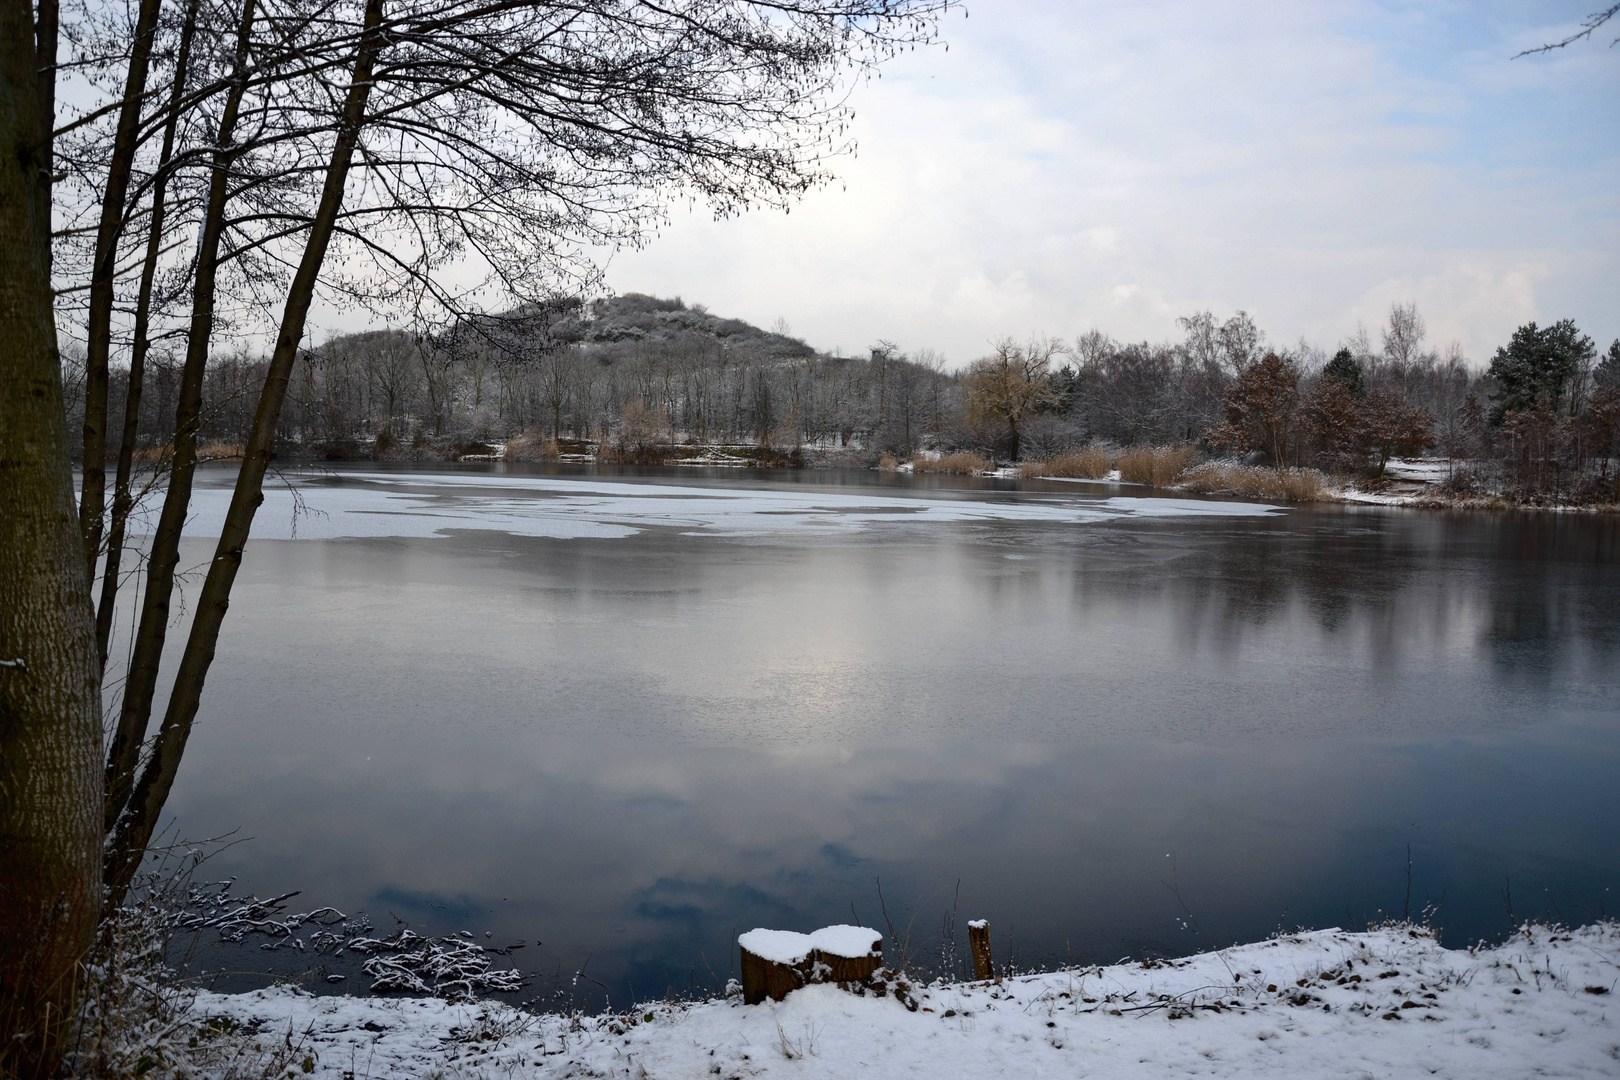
(157, 778)
(50, 710)
(141, 682)
(123, 501)
(46, 32)
(103, 268)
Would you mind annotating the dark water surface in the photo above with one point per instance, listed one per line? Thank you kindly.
(631, 745)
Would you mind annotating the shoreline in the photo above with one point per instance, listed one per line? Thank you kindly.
(1420, 493)
(1389, 1001)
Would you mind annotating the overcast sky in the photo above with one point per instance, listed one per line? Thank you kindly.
(1069, 164)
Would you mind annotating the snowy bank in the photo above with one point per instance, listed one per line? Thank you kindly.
(1386, 1003)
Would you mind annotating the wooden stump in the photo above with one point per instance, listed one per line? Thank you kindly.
(763, 978)
(846, 969)
(979, 941)
(795, 960)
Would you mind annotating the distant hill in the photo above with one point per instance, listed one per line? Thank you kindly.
(636, 317)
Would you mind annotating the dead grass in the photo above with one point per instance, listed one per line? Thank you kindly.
(219, 451)
(962, 463)
(1092, 463)
(1156, 465)
(1255, 481)
(161, 454)
(526, 447)
(887, 463)
(158, 454)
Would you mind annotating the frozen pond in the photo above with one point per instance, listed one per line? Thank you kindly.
(630, 715)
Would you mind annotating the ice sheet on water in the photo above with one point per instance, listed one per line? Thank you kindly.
(359, 505)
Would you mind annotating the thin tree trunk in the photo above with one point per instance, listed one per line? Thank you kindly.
(103, 268)
(123, 502)
(50, 708)
(46, 32)
(433, 397)
(141, 682)
(136, 826)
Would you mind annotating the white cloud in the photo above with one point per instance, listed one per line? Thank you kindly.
(1065, 165)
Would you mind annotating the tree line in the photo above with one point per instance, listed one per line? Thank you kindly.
(638, 377)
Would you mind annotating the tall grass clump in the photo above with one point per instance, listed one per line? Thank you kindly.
(1255, 481)
(217, 450)
(527, 447)
(963, 463)
(1155, 465)
(1092, 463)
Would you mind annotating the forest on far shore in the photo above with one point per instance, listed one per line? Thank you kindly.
(639, 379)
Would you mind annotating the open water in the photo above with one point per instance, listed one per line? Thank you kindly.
(622, 716)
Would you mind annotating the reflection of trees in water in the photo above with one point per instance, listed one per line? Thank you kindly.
(1554, 588)
(1231, 579)
(1536, 591)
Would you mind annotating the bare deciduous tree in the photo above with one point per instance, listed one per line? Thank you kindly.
(355, 151)
(50, 708)
(1590, 26)
(1010, 385)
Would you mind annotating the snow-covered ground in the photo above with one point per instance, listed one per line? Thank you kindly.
(1387, 1003)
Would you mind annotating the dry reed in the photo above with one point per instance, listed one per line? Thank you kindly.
(1092, 463)
(1155, 465)
(526, 447)
(153, 454)
(886, 463)
(962, 462)
(1254, 481)
(219, 451)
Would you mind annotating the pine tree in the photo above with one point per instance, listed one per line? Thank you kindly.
(1344, 370)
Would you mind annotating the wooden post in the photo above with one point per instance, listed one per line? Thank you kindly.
(979, 941)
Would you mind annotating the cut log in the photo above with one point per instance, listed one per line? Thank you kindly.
(762, 978)
(777, 962)
(979, 941)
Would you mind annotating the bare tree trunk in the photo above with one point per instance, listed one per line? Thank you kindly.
(123, 501)
(50, 709)
(433, 394)
(103, 268)
(46, 31)
(141, 682)
(157, 778)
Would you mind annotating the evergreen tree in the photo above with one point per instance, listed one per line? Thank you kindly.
(1607, 374)
(1344, 370)
(1537, 368)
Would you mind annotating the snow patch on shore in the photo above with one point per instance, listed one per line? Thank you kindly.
(1389, 1003)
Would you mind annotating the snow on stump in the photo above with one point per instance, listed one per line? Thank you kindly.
(979, 942)
(775, 962)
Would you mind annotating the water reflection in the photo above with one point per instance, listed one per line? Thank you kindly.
(632, 748)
